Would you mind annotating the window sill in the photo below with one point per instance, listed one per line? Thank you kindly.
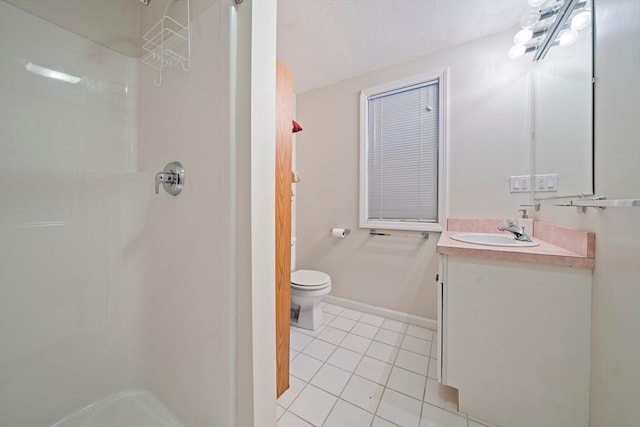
(409, 226)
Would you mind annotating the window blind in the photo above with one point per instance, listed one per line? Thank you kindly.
(402, 154)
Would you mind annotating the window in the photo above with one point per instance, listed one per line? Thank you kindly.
(402, 154)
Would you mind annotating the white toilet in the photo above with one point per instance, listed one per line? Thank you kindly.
(307, 289)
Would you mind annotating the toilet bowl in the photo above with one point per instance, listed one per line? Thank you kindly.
(307, 289)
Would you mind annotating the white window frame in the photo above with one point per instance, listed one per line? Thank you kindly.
(440, 225)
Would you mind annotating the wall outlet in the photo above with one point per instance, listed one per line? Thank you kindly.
(520, 184)
(546, 182)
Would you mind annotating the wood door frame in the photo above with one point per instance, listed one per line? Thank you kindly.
(284, 118)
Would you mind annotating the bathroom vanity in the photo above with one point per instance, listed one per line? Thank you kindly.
(514, 326)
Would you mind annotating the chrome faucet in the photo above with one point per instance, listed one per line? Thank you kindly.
(512, 228)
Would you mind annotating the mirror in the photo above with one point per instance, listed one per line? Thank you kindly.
(563, 117)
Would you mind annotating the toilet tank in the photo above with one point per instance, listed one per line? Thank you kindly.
(293, 254)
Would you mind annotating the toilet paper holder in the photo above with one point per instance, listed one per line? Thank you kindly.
(340, 232)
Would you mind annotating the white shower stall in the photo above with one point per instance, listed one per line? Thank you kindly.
(112, 295)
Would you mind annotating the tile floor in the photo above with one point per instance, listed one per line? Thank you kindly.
(361, 370)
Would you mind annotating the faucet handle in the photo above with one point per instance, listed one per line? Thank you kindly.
(171, 178)
(164, 178)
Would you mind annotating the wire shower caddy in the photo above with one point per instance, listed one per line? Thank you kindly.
(168, 43)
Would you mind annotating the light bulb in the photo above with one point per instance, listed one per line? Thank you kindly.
(530, 19)
(567, 37)
(517, 51)
(522, 36)
(536, 3)
(581, 20)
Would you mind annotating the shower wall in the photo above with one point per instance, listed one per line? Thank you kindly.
(69, 210)
(188, 299)
(104, 285)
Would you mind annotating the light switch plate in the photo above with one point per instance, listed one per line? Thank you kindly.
(520, 184)
(546, 182)
(535, 183)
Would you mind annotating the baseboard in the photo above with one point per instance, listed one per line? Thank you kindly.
(385, 312)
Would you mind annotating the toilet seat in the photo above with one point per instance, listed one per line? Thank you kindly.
(310, 280)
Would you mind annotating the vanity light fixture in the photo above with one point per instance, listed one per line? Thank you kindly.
(522, 36)
(517, 51)
(581, 20)
(567, 37)
(530, 19)
(555, 25)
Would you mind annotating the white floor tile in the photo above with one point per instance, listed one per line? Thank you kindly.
(290, 420)
(356, 343)
(411, 361)
(363, 393)
(381, 351)
(441, 395)
(474, 422)
(433, 416)
(319, 349)
(295, 387)
(311, 333)
(389, 337)
(299, 341)
(345, 414)
(394, 325)
(331, 379)
(332, 335)
(351, 314)
(418, 332)
(402, 410)
(345, 359)
(343, 323)
(333, 309)
(398, 355)
(372, 319)
(433, 369)
(379, 422)
(279, 411)
(374, 370)
(417, 345)
(327, 318)
(304, 367)
(407, 382)
(365, 330)
(313, 405)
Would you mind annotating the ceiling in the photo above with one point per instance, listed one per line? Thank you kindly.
(326, 41)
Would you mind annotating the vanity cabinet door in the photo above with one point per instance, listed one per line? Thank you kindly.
(516, 341)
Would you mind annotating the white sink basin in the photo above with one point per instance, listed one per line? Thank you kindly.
(491, 239)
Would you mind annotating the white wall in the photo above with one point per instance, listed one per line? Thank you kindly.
(615, 371)
(187, 294)
(68, 307)
(255, 214)
(488, 141)
(89, 18)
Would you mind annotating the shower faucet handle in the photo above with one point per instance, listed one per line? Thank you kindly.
(171, 178)
(163, 178)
